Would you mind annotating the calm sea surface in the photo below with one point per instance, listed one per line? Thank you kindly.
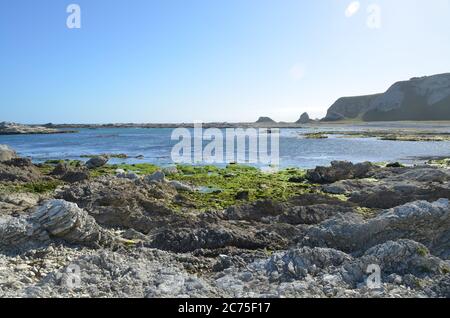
(155, 145)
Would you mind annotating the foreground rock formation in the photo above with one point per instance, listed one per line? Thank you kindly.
(120, 236)
(6, 153)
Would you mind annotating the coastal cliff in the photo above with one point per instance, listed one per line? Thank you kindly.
(423, 98)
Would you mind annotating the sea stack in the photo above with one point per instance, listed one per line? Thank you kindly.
(265, 120)
(304, 119)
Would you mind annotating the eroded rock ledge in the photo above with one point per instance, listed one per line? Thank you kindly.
(54, 220)
(128, 240)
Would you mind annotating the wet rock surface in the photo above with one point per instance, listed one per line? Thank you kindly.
(114, 236)
(96, 162)
(391, 187)
(341, 170)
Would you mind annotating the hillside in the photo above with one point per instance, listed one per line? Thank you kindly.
(424, 98)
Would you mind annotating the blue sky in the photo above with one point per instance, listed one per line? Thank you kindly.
(209, 60)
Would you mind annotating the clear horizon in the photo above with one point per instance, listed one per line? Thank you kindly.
(179, 61)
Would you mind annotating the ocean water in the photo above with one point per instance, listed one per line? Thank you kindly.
(155, 145)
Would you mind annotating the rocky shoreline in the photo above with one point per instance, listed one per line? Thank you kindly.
(392, 135)
(75, 229)
(19, 129)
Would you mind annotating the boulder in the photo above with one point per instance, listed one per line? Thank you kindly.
(70, 174)
(19, 169)
(170, 170)
(6, 153)
(75, 176)
(181, 186)
(55, 219)
(65, 220)
(128, 175)
(157, 176)
(96, 162)
(340, 170)
(60, 169)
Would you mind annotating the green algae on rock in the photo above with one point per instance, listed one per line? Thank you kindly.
(227, 183)
(318, 135)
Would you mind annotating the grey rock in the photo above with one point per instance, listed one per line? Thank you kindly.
(157, 176)
(299, 263)
(421, 221)
(396, 186)
(395, 258)
(96, 162)
(70, 174)
(19, 170)
(213, 237)
(60, 169)
(340, 170)
(305, 209)
(181, 186)
(128, 175)
(55, 219)
(118, 202)
(170, 170)
(75, 176)
(6, 153)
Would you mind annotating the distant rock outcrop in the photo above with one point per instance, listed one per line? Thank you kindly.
(265, 120)
(7, 128)
(304, 119)
(424, 98)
